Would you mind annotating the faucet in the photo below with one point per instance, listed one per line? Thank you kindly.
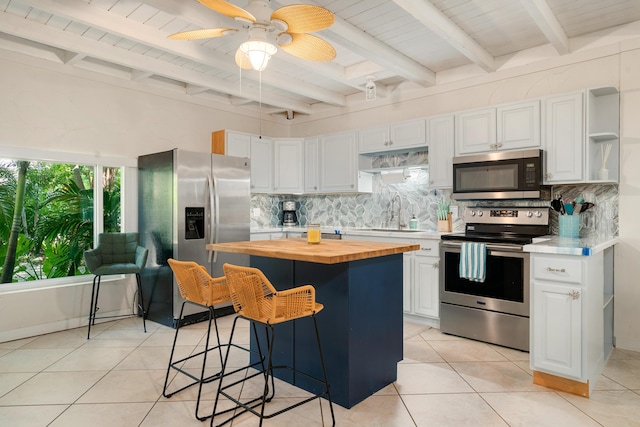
(391, 204)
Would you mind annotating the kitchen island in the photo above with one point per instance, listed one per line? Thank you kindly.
(361, 330)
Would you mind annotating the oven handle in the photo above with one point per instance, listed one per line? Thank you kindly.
(491, 246)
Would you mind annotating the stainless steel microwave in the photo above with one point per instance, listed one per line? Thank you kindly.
(499, 175)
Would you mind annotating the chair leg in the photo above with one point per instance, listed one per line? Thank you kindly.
(94, 303)
(173, 348)
(324, 370)
(212, 316)
(141, 302)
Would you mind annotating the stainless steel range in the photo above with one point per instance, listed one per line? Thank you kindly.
(496, 310)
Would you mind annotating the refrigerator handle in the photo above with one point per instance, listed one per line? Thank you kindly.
(210, 256)
(215, 215)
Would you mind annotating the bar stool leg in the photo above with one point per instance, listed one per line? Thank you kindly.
(324, 370)
(141, 302)
(94, 304)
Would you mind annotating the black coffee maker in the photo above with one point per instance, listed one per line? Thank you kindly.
(289, 216)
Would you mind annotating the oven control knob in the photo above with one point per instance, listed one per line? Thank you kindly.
(480, 213)
(538, 214)
(529, 214)
(472, 213)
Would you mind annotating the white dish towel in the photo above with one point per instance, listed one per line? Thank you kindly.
(473, 260)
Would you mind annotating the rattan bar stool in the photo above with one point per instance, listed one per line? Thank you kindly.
(197, 287)
(255, 299)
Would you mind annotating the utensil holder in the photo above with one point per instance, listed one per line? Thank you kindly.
(569, 226)
(445, 224)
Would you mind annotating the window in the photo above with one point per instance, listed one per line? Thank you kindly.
(61, 208)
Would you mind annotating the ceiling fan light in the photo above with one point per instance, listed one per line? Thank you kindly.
(259, 52)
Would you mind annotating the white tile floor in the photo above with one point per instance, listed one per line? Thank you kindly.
(116, 379)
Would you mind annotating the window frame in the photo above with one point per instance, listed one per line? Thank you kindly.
(128, 201)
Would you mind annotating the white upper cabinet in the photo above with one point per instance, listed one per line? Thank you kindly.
(238, 144)
(338, 165)
(311, 165)
(288, 160)
(441, 147)
(518, 125)
(399, 136)
(506, 127)
(563, 138)
(475, 131)
(231, 143)
(261, 164)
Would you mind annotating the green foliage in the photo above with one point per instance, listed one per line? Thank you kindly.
(57, 217)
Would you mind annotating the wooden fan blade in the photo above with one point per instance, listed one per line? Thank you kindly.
(228, 9)
(304, 18)
(205, 33)
(242, 60)
(307, 46)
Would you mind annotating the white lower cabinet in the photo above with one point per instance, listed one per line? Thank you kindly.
(571, 319)
(558, 325)
(425, 296)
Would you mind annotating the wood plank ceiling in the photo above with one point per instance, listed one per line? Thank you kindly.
(403, 44)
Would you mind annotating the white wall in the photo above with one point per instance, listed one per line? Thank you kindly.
(52, 107)
(53, 110)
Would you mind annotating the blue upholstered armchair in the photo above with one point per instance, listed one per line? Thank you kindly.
(116, 253)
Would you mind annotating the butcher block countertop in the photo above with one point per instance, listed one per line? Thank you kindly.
(329, 251)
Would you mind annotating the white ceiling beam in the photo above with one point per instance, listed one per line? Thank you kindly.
(430, 16)
(373, 49)
(108, 22)
(71, 58)
(194, 90)
(193, 12)
(544, 18)
(137, 75)
(30, 30)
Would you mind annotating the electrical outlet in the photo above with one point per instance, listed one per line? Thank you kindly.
(454, 212)
(256, 212)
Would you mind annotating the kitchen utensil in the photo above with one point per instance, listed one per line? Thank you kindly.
(555, 204)
(577, 209)
(585, 206)
(568, 208)
(579, 199)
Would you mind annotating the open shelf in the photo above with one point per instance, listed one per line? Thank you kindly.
(603, 136)
(603, 130)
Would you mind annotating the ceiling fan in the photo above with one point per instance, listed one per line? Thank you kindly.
(286, 27)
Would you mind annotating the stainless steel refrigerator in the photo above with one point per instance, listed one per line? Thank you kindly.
(186, 200)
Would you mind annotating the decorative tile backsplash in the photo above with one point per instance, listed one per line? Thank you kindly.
(375, 210)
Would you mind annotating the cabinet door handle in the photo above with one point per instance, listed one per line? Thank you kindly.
(436, 265)
(548, 175)
(493, 146)
(556, 270)
(574, 294)
(499, 144)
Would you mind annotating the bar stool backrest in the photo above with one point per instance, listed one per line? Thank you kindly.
(195, 284)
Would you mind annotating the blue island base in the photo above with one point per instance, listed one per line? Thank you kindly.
(361, 327)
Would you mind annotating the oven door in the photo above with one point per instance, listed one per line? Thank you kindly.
(505, 289)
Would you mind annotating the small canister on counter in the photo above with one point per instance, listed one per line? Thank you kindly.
(313, 233)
